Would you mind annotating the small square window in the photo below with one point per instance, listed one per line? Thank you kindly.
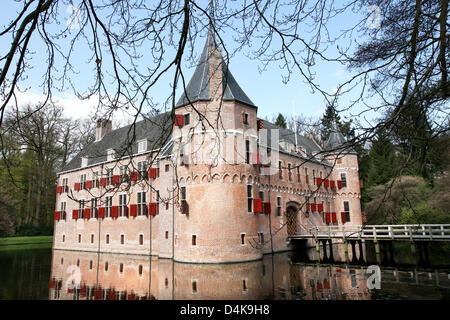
(141, 239)
(167, 167)
(194, 240)
(122, 239)
(186, 119)
(245, 118)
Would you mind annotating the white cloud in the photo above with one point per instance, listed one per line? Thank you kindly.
(75, 108)
(338, 73)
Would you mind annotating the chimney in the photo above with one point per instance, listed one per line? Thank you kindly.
(103, 127)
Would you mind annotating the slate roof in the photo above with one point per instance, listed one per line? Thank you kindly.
(150, 129)
(198, 86)
(336, 142)
(310, 147)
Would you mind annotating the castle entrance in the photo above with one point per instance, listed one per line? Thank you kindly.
(291, 220)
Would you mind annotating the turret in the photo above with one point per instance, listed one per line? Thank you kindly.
(344, 159)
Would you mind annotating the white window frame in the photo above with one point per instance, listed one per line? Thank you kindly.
(110, 154)
(142, 146)
(84, 162)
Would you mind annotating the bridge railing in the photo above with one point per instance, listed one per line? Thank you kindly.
(422, 231)
(400, 231)
(337, 231)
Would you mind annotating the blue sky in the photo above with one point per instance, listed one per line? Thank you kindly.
(265, 89)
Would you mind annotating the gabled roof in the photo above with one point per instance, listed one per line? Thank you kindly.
(198, 86)
(337, 143)
(157, 130)
(310, 147)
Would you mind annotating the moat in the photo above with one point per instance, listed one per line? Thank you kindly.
(43, 273)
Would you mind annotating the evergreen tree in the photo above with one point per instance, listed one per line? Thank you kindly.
(382, 161)
(327, 125)
(281, 121)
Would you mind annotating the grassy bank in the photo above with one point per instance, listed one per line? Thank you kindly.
(25, 240)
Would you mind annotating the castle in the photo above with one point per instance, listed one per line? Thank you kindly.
(209, 183)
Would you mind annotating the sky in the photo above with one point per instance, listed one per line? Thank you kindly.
(266, 89)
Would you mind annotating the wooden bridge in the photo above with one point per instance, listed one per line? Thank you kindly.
(418, 235)
(413, 232)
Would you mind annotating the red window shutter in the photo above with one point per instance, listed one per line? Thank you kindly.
(318, 181)
(152, 208)
(313, 207)
(343, 216)
(257, 205)
(57, 215)
(179, 120)
(184, 207)
(101, 212)
(89, 184)
(326, 284)
(326, 183)
(332, 184)
(133, 210)
(319, 286)
(97, 294)
(134, 176)
(152, 173)
(115, 211)
(116, 179)
(52, 283)
(59, 189)
(75, 214)
(320, 207)
(87, 213)
(333, 217)
(102, 182)
(327, 217)
(339, 184)
(77, 186)
(267, 208)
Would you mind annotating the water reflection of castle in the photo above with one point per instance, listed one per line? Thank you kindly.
(92, 276)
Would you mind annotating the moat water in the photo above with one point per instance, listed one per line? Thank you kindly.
(43, 273)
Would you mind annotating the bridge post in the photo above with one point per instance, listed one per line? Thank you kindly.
(361, 253)
(377, 250)
(345, 250)
(318, 249)
(331, 249)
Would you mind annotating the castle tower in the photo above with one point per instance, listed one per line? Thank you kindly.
(345, 160)
(212, 170)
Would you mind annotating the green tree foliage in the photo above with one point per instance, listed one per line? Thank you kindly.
(381, 161)
(281, 121)
(37, 143)
(406, 199)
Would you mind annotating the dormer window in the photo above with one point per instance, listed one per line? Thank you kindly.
(111, 154)
(142, 146)
(84, 161)
(288, 146)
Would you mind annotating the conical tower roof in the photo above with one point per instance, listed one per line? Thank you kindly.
(337, 143)
(198, 86)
